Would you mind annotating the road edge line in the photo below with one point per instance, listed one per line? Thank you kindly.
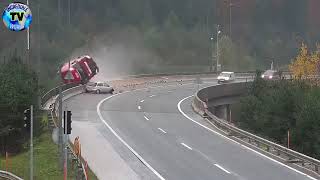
(211, 130)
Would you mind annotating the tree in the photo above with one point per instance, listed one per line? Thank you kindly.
(304, 65)
(306, 135)
(18, 89)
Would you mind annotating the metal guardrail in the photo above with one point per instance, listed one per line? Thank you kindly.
(289, 155)
(8, 176)
(54, 92)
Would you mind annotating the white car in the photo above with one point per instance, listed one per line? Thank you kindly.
(99, 87)
(226, 77)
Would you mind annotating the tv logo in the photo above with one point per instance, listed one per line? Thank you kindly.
(17, 17)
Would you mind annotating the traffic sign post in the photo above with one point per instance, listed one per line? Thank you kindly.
(65, 165)
(31, 142)
(28, 124)
(67, 130)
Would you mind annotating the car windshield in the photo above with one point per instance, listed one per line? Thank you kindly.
(225, 74)
(91, 84)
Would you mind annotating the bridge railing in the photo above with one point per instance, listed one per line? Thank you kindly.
(8, 176)
(54, 92)
(200, 105)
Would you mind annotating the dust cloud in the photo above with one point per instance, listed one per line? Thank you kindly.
(119, 53)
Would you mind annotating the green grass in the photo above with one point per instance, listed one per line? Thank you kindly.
(46, 161)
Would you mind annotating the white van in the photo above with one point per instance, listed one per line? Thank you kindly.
(226, 77)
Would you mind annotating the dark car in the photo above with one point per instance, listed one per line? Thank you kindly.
(271, 75)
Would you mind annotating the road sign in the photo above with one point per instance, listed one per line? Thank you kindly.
(69, 76)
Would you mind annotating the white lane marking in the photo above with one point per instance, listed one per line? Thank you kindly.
(223, 169)
(139, 107)
(183, 144)
(152, 96)
(146, 118)
(162, 130)
(125, 143)
(142, 101)
(189, 118)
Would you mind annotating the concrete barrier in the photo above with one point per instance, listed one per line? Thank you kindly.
(210, 94)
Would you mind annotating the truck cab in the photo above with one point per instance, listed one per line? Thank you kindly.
(79, 71)
(88, 65)
(70, 74)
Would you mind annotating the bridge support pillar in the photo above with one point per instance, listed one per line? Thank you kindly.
(228, 109)
(223, 112)
(212, 110)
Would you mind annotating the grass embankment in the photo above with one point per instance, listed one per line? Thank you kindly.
(46, 161)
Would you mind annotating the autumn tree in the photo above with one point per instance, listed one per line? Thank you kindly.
(305, 64)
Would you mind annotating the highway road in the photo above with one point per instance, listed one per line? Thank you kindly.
(154, 134)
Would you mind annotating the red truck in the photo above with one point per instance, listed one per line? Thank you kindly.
(81, 70)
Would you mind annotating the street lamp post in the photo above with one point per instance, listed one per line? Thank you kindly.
(69, 12)
(28, 42)
(218, 32)
(230, 4)
(217, 51)
(230, 20)
(31, 129)
(212, 55)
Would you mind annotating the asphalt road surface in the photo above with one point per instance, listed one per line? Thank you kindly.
(154, 134)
